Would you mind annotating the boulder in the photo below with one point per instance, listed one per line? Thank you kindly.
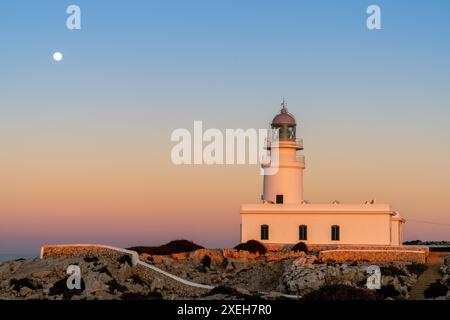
(302, 277)
(180, 256)
(243, 291)
(447, 260)
(230, 266)
(216, 256)
(166, 260)
(278, 256)
(95, 283)
(305, 260)
(157, 285)
(25, 291)
(239, 254)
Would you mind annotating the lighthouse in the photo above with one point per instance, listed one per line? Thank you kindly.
(284, 217)
(283, 175)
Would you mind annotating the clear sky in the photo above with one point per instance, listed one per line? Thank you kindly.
(85, 143)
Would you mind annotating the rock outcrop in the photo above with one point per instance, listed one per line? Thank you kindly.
(306, 275)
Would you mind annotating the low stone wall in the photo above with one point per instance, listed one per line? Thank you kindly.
(76, 250)
(373, 255)
(324, 247)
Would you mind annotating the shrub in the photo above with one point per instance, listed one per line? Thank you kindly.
(417, 268)
(176, 246)
(341, 292)
(115, 286)
(231, 292)
(60, 287)
(154, 295)
(105, 269)
(17, 284)
(90, 259)
(392, 271)
(435, 290)
(138, 280)
(140, 296)
(206, 262)
(221, 290)
(133, 296)
(252, 246)
(125, 259)
(389, 291)
(300, 247)
(413, 243)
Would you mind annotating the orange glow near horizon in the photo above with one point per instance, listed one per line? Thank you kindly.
(96, 190)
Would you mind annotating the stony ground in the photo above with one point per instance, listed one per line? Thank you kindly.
(236, 274)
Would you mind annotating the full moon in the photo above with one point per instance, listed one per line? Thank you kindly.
(57, 56)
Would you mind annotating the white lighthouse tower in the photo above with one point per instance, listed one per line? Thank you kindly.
(286, 185)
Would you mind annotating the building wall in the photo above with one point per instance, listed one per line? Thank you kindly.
(396, 232)
(355, 228)
(288, 182)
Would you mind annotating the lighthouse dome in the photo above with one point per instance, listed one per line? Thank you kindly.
(284, 118)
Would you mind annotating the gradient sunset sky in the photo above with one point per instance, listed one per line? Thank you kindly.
(85, 143)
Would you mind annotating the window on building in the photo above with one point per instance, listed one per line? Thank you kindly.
(302, 232)
(279, 198)
(335, 233)
(264, 232)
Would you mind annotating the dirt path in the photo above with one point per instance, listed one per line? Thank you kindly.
(434, 262)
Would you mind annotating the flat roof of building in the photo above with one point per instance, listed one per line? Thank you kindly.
(317, 208)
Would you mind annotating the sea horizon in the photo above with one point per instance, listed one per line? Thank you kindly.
(15, 256)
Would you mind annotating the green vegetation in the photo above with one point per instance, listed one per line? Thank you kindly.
(389, 291)
(90, 259)
(341, 292)
(105, 269)
(140, 296)
(176, 246)
(435, 290)
(426, 243)
(300, 247)
(18, 284)
(125, 259)
(138, 280)
(252, 246)
(206, 261)
(60, 287)
(417, 268)
(224, 290)
(221, 290)
(116, 286)
(393, 271)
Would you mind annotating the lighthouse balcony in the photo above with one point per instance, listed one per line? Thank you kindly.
(301, 158)
(284, 143)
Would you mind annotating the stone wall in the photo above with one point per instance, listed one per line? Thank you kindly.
(76, 250)
(322, 247)
(342, 255)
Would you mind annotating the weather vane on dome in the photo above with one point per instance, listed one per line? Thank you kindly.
(283, 105)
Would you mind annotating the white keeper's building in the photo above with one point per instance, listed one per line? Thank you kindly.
(283, 217)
